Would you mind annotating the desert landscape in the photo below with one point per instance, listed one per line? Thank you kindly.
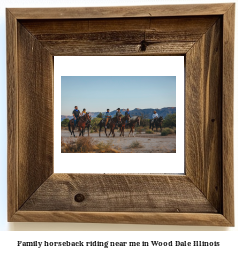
(141, 143)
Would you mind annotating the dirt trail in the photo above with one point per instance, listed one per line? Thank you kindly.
(152, 143)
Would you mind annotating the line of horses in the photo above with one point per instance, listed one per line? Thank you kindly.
(84, 122)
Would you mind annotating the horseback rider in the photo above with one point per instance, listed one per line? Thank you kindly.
(107, 118)
(75, 113)
(118, 115)
(155, 115)
(83, 112)
(127, 113)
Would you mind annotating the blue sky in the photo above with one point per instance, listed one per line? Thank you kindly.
(97, 93)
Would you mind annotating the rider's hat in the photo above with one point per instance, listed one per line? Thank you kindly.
(108, 109)
(118, 108)
(84, 109)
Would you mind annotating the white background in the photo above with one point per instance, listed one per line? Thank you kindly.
(120, 66)
(8, 239)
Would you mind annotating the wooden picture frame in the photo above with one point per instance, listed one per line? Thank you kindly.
(204, 34)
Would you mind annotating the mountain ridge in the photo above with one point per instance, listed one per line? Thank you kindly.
(135, 112)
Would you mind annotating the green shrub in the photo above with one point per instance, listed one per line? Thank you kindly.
(65, 122)
(94, 123)
(167, 131)
(149, 131)
(170, 120)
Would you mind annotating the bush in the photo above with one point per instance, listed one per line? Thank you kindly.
(170, 121)
(65, 122)
(149, 131)
(135, 144)
(139, 129)
(94, 123)
(100, 115)
(81, 145)
(86, 145)
(167, 131)
(105, 148)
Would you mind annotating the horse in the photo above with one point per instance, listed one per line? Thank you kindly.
(123, 124)
(102, 124)
(132, 123)
(82, 123)
(71, 127)
(88, 124)
(157, 123)
(112, 125)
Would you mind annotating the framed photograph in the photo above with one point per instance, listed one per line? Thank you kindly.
(110, 82)
(136, 37)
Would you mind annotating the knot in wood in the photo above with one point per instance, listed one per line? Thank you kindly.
(143, 45)
(79, 198)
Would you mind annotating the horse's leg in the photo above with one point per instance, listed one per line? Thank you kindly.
(129, 133)
(73, 130)
(132, 132)
(105, 131)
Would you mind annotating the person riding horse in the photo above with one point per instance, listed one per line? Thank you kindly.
(83, 112)
(118, 115)
(127, 114)
(76, 113)
(155, 115)
(107, 118)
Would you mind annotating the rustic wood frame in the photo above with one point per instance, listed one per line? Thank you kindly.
(204, 34)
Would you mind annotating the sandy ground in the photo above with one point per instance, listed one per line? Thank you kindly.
(151, 143)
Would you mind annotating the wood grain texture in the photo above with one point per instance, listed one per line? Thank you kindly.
(12, 114)
(121, 12)
(35, 114)
(204, 196)
(179, 25)
(174, 36)
(114, 193)
(203, 118)
(227, 113)
(192, 219)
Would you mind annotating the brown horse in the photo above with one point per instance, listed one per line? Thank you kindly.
(82, 123)
(71, 126)
(123, 124)
(112, 125)
(88, 124)
(132, 123)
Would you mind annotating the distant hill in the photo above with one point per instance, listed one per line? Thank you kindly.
(65, 116)
(135, 112)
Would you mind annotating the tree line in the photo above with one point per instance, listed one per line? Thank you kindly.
(169, 121)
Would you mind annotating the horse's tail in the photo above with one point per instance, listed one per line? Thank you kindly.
(69, 126)
(99, 123)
